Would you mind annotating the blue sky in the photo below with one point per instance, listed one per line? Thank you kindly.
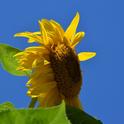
(102, 20)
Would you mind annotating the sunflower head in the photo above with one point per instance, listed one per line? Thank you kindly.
(56, 73)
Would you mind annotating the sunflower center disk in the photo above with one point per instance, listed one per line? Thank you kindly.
(66, 68)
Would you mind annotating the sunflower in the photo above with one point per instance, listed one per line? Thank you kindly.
(55, 65)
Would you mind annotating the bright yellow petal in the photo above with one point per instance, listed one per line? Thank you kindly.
(83, 56)
(47, 25)
(71, 30)
(37, 33)
(41, 50)
(26, 58)
(18, 54)
(53, 33)
(77, 38)
(37, 49)
(58, 26)
(44, 33)
(44, 87)
(66, 41)
(37, 62)
(32, 36)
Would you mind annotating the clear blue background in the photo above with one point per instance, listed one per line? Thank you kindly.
(103, 22)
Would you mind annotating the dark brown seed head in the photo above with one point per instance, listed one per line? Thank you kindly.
(66, 68)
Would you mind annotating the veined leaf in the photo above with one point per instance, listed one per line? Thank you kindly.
(52, 115)
(8, 62)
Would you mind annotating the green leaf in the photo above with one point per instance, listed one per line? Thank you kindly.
(52, 115)
(77, 116)
(6, 106)
(8, 62)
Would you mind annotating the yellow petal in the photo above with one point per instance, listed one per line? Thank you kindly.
(71, 30)
(37, 33)
(33, 36)
(19, 54)
(46, 62)
(59, 32)
(37, 49)
(37, 62)
(66, 41)
(44, 87)
(44, 33)
(77, 38)
(53, 33)
(27, 58)
(83, 56)
(58, 26)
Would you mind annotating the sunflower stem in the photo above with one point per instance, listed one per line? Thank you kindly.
(32, 103)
